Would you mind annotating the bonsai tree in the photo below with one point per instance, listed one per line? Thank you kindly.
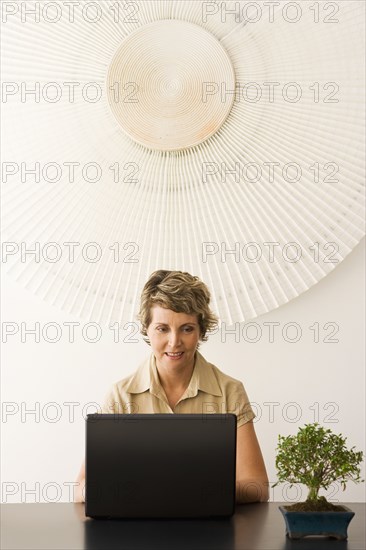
(316, 457)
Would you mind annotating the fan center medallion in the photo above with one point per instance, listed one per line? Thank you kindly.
(171, 85)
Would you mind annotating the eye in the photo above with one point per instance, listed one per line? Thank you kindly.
(161, 329)
(188, 329)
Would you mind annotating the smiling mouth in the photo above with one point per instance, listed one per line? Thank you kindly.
(174, 354)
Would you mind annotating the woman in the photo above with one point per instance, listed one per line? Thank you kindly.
(175, 316)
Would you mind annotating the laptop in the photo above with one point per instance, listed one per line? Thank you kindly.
(160, 465)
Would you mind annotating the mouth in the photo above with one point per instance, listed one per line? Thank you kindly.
(174, 356)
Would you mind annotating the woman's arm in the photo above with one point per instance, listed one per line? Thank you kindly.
(79, 493)
(251, 475)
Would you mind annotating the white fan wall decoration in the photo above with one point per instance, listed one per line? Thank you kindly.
(144, 150)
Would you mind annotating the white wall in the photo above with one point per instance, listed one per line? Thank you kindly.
(315, 381)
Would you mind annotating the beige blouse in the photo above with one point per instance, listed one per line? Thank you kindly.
(210, 391)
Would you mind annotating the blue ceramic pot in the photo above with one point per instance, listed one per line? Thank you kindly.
(330, 524)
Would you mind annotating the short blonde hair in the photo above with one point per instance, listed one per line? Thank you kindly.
(180, 292)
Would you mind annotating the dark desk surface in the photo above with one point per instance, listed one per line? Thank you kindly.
(257, 526)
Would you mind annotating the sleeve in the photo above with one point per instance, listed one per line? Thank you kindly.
(239, 404)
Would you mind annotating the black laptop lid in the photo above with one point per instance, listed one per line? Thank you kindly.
(160, 465)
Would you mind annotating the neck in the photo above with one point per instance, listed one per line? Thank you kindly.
(175, 379)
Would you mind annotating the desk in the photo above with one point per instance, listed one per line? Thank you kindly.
(257, 526)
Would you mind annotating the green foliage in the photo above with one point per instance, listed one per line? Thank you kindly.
(316, 457)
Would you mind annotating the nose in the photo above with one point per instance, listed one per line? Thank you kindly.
(174, 339)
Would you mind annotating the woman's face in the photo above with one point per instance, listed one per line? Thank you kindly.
(173, 337)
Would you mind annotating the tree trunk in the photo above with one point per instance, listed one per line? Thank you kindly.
(313, 493)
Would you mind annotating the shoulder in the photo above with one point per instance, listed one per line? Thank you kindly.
(120, 386)
(234, 396)
(225, 381)
(136, 382)
(224, 377)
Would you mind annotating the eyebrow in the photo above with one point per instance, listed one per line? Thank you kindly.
(184, 324)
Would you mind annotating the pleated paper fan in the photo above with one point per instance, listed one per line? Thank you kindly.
(154, 160)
